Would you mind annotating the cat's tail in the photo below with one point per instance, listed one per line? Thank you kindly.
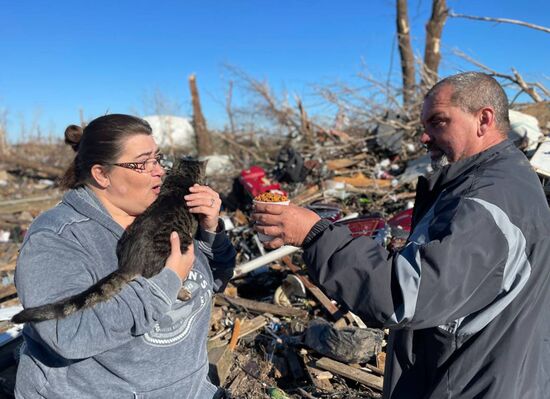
(101, 291)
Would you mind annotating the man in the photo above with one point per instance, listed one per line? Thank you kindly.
(467, 297)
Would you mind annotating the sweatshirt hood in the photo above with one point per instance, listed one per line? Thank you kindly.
(84, 201)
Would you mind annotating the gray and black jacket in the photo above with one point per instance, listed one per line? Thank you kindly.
(468, 297)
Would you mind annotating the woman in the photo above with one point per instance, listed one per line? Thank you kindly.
(143, 343)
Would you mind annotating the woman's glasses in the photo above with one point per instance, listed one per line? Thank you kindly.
(146, 166)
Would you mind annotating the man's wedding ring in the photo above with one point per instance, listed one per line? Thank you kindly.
(212, 200)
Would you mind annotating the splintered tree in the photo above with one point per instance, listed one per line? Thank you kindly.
(432, 53)
(405, 51)
(432, 50)
(204, 141)
(3, 133)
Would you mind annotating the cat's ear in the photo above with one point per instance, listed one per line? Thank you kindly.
(100, 175)
(202, 167)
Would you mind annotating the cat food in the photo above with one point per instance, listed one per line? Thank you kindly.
(271, 197)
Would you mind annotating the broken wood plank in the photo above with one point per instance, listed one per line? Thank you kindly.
(305, 195)
(7, 292)
(241, 376)
(335, 164)
(7, 267)
(41, 169)
(331, 308)
(351, 373)
(359, 180)
(220, 359)
(249, 326)
(381, 361)
(374, 369)
(19, 205)
(304, 393)
(260, 307)
(235, 334)
(320, 378)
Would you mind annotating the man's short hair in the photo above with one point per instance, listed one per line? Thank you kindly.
(475, 90)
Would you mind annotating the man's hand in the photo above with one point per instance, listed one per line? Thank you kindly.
(289, 224)
(178, 262)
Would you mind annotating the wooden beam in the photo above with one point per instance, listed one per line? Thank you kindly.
(324, 300)
(260, 307)
(220, 359)
(249, 326)
(351, 373)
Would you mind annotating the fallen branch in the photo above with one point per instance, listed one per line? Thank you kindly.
(501, 20)
(260, 307)
(527, 87)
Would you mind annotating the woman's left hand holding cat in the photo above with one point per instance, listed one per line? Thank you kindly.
(206, 203)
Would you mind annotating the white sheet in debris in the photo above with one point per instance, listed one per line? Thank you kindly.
(541, 159)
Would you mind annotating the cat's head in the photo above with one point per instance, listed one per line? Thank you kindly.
(189, 168)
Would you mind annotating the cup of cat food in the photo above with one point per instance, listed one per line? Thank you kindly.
(270, 197)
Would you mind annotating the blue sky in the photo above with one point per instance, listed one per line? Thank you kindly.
(57, 57)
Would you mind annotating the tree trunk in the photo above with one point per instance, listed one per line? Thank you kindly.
(305, 125)
(405, 51)
(204, 142)
(432, 52)
(229, 109)
(3, 142)
(3, 133)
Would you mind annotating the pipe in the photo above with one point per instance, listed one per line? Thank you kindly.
(264, 260)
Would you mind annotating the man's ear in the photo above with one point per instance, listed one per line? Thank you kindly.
(100, 176)
(486, 120)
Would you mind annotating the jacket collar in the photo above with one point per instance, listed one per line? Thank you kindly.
(85, 202)
(430, 187)
(448, 173)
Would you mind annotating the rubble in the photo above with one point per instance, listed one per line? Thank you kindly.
(273, 333)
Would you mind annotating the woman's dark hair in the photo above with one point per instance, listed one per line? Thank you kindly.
(100, 142)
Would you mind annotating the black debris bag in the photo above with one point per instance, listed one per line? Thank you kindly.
(290, 166)
(348, 344)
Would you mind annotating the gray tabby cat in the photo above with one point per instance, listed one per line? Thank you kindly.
(143, 248)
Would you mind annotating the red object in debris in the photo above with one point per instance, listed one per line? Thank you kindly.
(255, 182)
(402, 220)
(369, 226)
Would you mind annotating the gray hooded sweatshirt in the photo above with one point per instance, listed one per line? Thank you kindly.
(142, 343)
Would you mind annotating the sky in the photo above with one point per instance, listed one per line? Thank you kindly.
(59, 58)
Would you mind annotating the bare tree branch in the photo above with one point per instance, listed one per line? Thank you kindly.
(500, 20)
(4, 148)
(528, 88)
(305, 124)
(268, 105)
(228, 108)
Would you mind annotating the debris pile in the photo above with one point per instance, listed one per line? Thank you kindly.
(273, 333)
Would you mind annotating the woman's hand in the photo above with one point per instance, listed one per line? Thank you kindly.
(206, 203)
(178, 262)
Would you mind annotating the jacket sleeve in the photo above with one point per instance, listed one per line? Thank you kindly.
(220, 254)
(50, 268)
(458, 263)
